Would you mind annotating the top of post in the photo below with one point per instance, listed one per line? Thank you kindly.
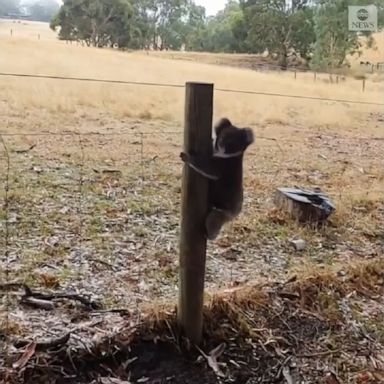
(189, 83)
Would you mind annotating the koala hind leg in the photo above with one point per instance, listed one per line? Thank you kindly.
(215, 220)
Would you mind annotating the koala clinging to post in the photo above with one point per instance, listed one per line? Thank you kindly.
(224, 169)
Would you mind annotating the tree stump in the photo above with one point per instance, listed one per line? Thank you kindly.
(303, 205)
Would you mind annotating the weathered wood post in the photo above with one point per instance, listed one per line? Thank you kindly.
(194, 209)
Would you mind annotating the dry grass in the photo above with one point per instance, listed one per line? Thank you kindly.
(322, 323)
(114, 233)
(315, 142)
(51, 57)
(309, 287)
(374, 54)
(23, 29)
(314, 139)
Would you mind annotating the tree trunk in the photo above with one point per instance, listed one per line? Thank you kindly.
(283, 58)
(154, 42)
(304, 206)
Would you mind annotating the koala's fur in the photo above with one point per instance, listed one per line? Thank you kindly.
(224, 169)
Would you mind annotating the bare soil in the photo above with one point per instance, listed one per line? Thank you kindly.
(98, 215)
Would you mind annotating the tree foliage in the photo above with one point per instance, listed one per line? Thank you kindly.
(43, 10)
(195, 28)
(9, 7)
(304, 28)
(97, 22)
(215, 34)
(137, 24)
(221, 29)
(333, 40)
(279, 26)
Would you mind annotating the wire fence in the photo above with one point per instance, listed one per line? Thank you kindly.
(167, 85)
(82, 221)
(6, 230)
(97, 213)
(141, 158)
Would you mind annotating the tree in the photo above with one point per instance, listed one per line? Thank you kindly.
(171, 27)
(141, 24)
(279, 26)
(333, 39)
(167, 25)
(43, 10)
(195, 28)
(223, 27)
(159, 24)
(9, 7)
(221, 33)
(97, 22)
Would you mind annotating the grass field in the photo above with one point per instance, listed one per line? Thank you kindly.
(167, 104)
(99, 213)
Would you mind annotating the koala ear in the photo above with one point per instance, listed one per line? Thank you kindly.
(221, 124)
(249, 137)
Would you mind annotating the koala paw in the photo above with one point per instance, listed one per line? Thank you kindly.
(184, 156)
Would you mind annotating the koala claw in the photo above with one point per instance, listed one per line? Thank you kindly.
(184, 156)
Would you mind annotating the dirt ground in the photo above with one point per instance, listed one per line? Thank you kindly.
(110, 218)
(98, 215)
(89, 224)
(325, 328)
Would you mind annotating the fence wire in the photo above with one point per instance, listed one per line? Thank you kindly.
(152, 84)
(6, 205)
(142, 136)
(80, 182)
(118, 251)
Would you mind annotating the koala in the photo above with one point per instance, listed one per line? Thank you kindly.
(224, 169)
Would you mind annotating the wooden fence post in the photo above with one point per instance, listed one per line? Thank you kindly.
(194, 209)
(363, 85)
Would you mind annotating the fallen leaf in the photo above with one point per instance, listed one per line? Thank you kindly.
(110, 380)
(365, 377)
(27, 354)
(287, 375)
(212, 358)
(331, 378)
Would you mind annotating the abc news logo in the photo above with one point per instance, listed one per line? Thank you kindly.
(362, 18)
